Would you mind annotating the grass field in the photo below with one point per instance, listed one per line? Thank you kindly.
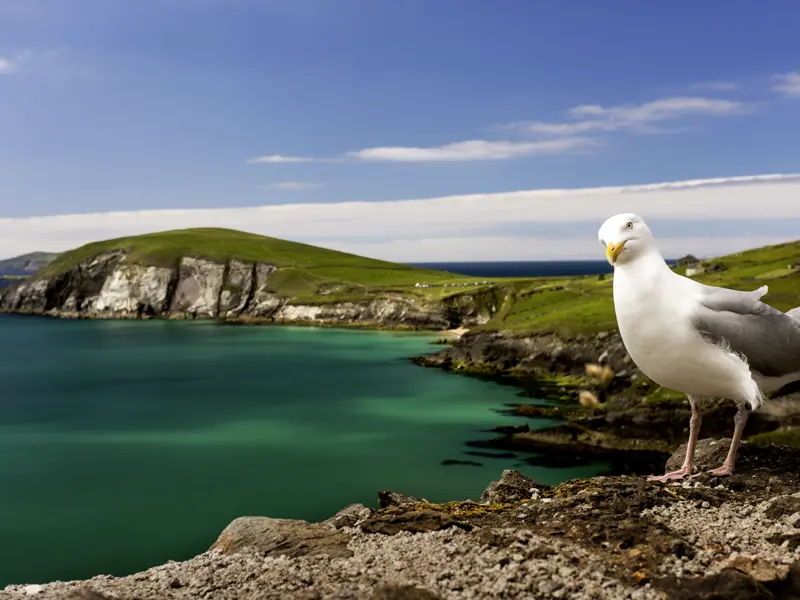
(574, 305)
(310, 274)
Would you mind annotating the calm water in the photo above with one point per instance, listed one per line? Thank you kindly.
(125, 444)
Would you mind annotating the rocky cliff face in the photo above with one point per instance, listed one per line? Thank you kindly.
(107, 286)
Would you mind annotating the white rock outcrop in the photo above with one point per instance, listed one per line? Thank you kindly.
(129, 288)
(199, 287)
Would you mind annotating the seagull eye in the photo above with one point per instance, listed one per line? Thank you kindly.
(629, 224)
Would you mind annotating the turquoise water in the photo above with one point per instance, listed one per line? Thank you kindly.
(126, 444)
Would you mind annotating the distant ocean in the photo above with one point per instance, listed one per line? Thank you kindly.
(528, 268)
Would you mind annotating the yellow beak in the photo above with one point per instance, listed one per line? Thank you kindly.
(613, 251)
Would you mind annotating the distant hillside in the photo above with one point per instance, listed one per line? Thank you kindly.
(26, 264)
(233, 275)
(303, 269)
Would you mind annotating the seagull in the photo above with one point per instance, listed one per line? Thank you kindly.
(697, 339)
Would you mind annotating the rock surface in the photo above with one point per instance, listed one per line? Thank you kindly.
(128, 288)
(199, 287)
(279, 537)
(349, 516)
(601, 538)
(512, 487)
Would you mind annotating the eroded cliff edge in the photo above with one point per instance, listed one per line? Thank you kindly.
(109, 286)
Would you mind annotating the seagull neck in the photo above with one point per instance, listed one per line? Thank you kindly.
(649, 264)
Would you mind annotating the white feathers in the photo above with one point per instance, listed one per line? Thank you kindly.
(661, 317)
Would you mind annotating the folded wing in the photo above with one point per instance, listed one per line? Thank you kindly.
(767, 337)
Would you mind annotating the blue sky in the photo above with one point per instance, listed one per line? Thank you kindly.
(111, 105)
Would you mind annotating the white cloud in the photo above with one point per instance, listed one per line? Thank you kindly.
(470, 150)
(278, 158)
(294, 186)
(13, 64)
(498, 248)
(788, 84)
(444, 228)
(564, 137)
(473, 150)
(637, 118)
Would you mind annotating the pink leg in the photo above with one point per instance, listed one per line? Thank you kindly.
(688, 462)
(738, 428)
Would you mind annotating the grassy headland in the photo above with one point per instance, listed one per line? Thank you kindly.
(584, 305)
(307, 273)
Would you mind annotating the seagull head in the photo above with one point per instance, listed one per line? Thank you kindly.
(625, 237)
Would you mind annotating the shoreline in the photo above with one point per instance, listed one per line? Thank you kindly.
(259, 322)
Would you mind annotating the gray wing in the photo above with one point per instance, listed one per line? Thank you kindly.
(767, 337)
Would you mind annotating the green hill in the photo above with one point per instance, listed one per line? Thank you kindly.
(307, 272)
(26, 264)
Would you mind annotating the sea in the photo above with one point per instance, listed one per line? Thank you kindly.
(126, 444)
(532, 268)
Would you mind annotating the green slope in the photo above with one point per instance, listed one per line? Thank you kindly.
(27, 263)
(584, 305)
(308, 273)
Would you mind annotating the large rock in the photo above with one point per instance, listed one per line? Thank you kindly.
(350, 516)
(387, 498)
(512, 487)
(70, 291)
(264, 303)
(236, 289)
(133, 289)
(26, 297)
(199, 287)
(275, 537)
(708, 454)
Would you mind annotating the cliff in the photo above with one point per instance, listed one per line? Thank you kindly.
(107, 286)
(601, 538)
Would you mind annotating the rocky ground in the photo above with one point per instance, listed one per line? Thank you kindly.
(608, 406)
(606, 537)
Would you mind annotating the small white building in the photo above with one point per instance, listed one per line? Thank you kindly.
(695, 270)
